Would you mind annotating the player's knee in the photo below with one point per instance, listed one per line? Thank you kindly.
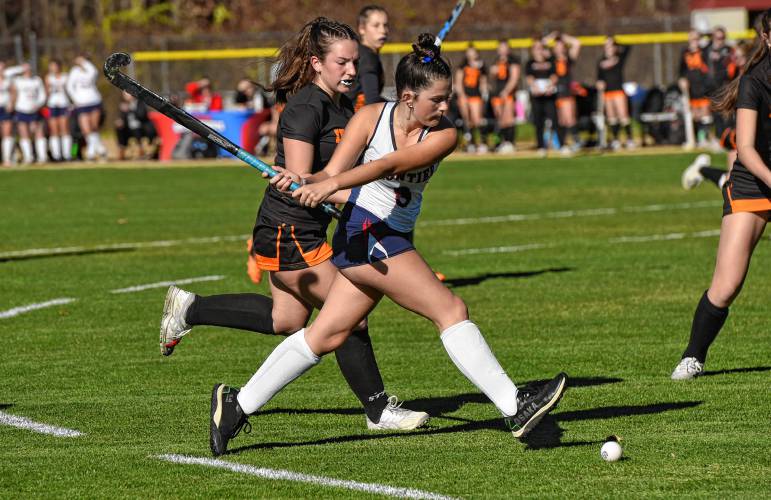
(287, 326)
(453, 313)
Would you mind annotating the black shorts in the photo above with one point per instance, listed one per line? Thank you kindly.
(743, 192)
(286, 241)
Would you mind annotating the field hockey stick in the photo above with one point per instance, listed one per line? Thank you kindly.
(456, 11)
(112, 67)
(690, 137)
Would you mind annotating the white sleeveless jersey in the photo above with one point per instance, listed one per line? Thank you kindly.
(5, 84)
(30, 94)
(81, 85)
(57, 91)
(395, 199)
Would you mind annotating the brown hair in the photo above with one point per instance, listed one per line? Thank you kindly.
(366, 11)
(724, 100)
(294, 58)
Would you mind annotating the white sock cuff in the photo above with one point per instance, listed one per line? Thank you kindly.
(299, 342)
(454, 328)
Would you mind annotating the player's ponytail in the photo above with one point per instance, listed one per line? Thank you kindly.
(294, 58)
(724, 100)
(422, 66)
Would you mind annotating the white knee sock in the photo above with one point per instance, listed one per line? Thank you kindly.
(66, 147)
(99, 148)
(26, 150)
(8, 143)
(90, 147)
(41, 150)
(290, 359)
(56, 147)
(473, 357)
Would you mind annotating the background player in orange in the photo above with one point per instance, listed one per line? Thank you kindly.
(373, 31)
(693, 79)
(470, 84)
(610, 83)
(565, 51)
(504, 76)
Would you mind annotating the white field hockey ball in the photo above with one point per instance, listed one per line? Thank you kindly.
(611, 451)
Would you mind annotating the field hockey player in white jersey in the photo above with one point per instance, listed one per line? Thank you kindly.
(6, 112)
(59, 138)
(87, 102)
(29, 95)
(402, 144)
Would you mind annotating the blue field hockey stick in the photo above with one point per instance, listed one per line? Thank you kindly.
(112, 67)
(456, 11)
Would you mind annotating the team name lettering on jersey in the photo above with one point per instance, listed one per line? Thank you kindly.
(416, 176)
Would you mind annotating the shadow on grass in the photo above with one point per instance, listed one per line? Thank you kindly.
(475, 280)
(736, 370)
(548, 434)
(65, 253)
(5, 406)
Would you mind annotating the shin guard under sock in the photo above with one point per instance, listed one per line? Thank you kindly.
(246, 311)
(707, 322)
(359, 367)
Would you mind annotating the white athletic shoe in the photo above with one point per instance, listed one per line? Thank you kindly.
(506, 148)
(566, 151)
(541, 153)
(173, 324)
(395, 417)
(482, 149)
(687, 369)
(692, 176)
(470, 148)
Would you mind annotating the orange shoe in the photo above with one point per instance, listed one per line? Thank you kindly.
(252, 269)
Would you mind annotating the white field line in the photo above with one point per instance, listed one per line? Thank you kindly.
(10, 313)
(32, 252)
(164, 284)
(565, 214)
(623, 239)
(25, 423)
(285, 475)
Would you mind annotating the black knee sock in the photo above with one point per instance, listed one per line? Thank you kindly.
(713, 174)
(476, 136)
(628, 130)
(357, 362)
(707, 322)
(246, 311)
(507, 134)
(561, 134)
(614, 129)
(574, 134)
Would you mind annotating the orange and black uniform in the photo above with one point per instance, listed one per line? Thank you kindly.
(563, 69)
(288, 236)
(693, 67)
(744, 192)
(472, 79)
(370, 79)
(721, 69)
(500, 77)
(611, 71)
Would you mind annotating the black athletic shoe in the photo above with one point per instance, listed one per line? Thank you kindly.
(533, 403)
(227, 418)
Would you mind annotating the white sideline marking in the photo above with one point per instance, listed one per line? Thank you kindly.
(564, 214)
(10, 313)
(31, 252)
(25, 423)
(510, 249)
(623, 239)
(285, 475)
(163, 284)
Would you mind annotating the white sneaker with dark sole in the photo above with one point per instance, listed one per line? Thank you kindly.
(173, 324)
(395, 417)
(687, 369)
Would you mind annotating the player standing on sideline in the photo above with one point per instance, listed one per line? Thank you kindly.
(289, 239)
(28, 95)
(566, 50)
(471, 84)
(721, 69)
(747, 196)
(694, 80)
(504, 75)
(541, 79)
(701, 169)
(373, 31)
(59, 138)
(6, 112)
(400, 145)
(610, 83)
(87, 102)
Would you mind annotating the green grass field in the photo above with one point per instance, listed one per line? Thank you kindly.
(605, 295)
